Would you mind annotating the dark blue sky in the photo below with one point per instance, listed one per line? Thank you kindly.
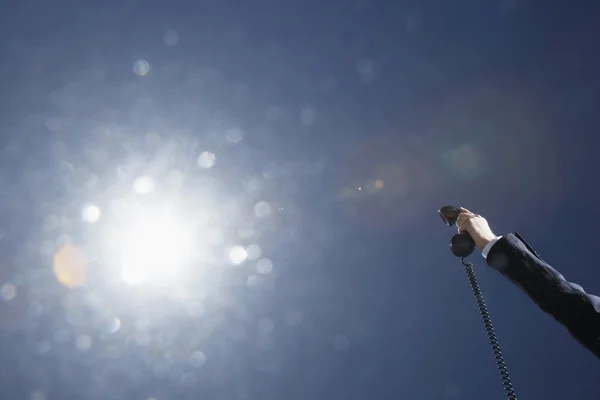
(307, 145)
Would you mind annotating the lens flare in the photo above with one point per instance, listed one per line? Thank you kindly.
(69, 266)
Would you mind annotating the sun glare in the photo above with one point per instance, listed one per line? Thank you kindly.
(155, 248)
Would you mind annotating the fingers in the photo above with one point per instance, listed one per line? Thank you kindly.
(463, 220)
(462, 217)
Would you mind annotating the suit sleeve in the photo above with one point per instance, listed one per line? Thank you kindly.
(567, 302)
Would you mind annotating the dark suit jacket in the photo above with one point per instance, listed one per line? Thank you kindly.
(578, 311)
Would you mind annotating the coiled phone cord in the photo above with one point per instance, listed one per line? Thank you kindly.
(491, 333)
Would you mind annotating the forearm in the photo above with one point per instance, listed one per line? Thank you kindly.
(567, 302)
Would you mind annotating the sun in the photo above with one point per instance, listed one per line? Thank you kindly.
(154, 247)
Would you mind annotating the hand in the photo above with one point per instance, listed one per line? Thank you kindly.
(476, 226)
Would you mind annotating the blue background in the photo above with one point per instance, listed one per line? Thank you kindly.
(490, 105)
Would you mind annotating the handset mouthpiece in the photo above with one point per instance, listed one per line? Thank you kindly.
(449, 214)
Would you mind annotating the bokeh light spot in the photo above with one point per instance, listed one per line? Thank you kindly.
(197, 359)
(90, 213)
(308, 116)
(37, 395)
(114, 325)
(43, 347)
(264, 266)
(206, 159)
(8, 292)
(141, 67)
(467, 161)
(262, 209)
(69, 266)
(237, 255)
(84, 342)
(265, 326)
(235, 135)
(171, 37)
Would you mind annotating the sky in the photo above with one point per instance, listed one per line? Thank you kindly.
(238, 200)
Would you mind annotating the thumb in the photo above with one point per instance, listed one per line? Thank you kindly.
(462, 209)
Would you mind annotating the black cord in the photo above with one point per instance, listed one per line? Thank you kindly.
(491, 333)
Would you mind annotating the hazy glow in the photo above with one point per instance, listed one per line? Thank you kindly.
(133, 276)
(143, 185)
(156, 248)
(253, 251)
